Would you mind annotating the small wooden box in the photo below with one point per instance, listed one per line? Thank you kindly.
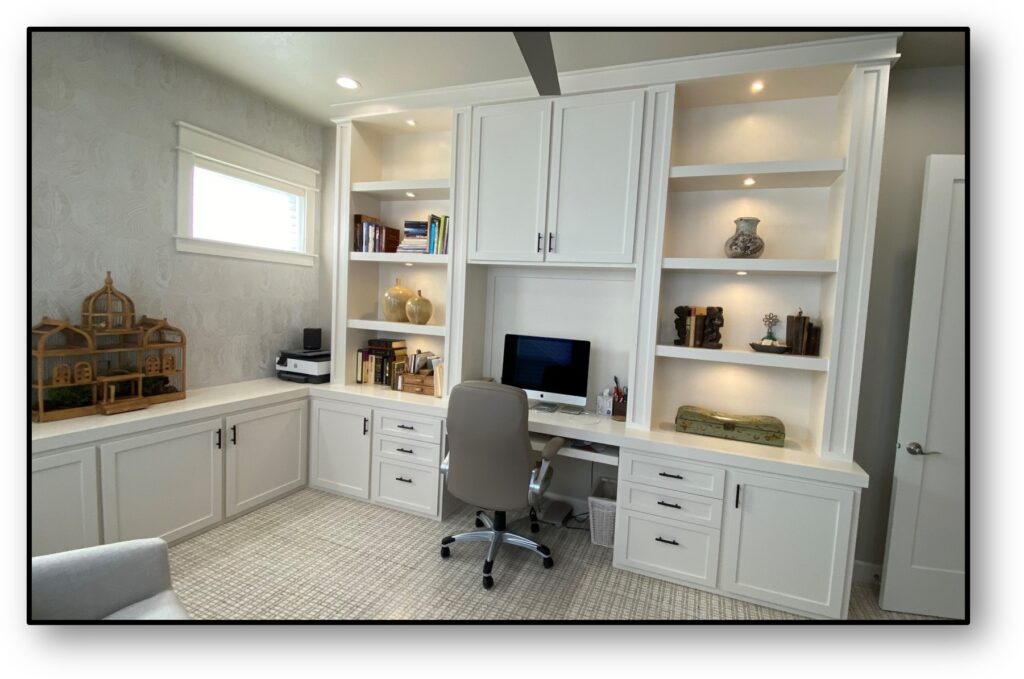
(763, 429)
(418, 384)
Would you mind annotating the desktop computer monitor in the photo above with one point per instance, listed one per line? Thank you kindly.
(547, 368)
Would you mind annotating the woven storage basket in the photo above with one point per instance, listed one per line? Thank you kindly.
(602, 513)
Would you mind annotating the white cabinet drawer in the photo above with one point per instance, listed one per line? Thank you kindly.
(404, 450)
(405, 486)
(672, 474)
(414, 427)
(676, 550)
(669, 504)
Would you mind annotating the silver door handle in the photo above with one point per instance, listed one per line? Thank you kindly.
(915, 448)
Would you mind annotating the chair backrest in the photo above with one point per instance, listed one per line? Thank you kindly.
(489, 445)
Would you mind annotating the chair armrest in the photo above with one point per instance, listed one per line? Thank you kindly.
(92, 583)
(444, 464)
(552, 447)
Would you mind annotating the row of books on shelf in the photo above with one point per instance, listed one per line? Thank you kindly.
(429, 237)
(370, 235)
(387, 361)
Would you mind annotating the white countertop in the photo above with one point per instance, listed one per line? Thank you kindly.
(216, 401)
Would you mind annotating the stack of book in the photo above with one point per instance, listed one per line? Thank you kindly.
(372, 236)
(429, 238)
(381, 362)
(802, 336)
(691, 333)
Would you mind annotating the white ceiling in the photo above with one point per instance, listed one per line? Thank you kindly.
(298, 69)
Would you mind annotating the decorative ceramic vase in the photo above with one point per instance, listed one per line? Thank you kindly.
(394, 302)
(745, 243)
(419, 309)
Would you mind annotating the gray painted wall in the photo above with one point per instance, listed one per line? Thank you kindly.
(104, 195)
(925, 116)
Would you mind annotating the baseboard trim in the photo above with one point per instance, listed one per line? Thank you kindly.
(867, 572)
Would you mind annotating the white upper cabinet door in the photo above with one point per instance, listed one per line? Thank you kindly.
(266, 455)
(595, 177)
(339, 455)
(163, 485)
(786, 542)
(509, 181)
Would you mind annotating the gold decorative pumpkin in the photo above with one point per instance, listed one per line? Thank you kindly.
(418, 309)
(394, 302)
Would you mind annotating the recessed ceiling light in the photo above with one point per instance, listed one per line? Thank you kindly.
(749, 181)
(410, 122)
(410, 194)
(408, 263)
(347, 83)
(756, 86)
(741, 273)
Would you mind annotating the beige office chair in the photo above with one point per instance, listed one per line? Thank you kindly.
(488, 466)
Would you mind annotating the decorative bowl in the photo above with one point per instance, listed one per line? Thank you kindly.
(769, 348)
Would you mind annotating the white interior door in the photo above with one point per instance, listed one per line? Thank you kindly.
(925, 551)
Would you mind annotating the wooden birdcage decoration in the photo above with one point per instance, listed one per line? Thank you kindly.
(109, 364)
(62, 386)
(108, 309)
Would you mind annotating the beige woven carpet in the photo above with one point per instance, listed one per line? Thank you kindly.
(318, 556)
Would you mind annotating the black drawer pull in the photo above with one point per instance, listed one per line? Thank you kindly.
(366, 426)
(670, 476)
(406, 426)
(234, 435)
(540, 238)
(667, 542)
(403, 450)
(403, 480)
(668, 504)
(219, 432)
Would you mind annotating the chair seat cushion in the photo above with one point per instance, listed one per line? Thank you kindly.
(163, 606)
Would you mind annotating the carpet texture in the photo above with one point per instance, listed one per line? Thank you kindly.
(317, 556)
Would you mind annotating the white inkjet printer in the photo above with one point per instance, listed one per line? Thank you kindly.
(304, 365)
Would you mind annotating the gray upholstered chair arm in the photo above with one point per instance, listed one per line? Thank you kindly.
(552, 447)
(92, 583)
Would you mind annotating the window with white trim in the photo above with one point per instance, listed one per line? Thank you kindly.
(235, 200)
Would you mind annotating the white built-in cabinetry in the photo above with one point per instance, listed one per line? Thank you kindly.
(65, 501)
(339, 452)
(556, 181)
(167, 479)
(266, 455)
(166, 484)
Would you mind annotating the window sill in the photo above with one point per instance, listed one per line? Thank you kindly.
(201, 246)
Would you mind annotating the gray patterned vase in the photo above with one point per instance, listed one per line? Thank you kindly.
(745, 243)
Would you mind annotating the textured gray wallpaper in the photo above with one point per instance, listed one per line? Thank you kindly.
(104, 192)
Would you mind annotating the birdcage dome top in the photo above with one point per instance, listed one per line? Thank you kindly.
(108, 309)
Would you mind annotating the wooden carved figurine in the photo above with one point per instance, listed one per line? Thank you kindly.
(712, 328)
(83, 372)
(152, 365)
(62, 374)
(682, 318)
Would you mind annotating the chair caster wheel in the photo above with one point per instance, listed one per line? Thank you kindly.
(534, 527)
(445, 552)
(479, 523)
(488, 582)
(548, 562)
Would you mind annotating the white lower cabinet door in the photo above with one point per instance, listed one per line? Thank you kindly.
(339, 456)
(787, 542)
(677, 551)
(167, 484)
(265, 455)
(65, 501)
(406, 486)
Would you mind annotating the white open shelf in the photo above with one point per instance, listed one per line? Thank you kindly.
(779, 174)
(746, 356)
(424, 189)
(771, 266)
(391, 326)
(398, 258)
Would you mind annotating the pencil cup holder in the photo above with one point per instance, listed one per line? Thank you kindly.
(619, 410)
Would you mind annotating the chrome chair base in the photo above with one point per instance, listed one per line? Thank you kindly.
(496, 534)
